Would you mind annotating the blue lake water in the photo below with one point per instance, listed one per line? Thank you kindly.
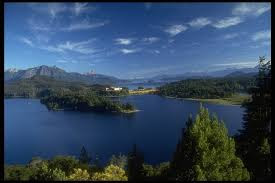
(31, 130)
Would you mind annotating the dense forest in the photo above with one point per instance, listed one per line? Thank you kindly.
(83, 101)
(207, 88)
(205, 151)
(38, 86)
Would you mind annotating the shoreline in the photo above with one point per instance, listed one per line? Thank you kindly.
(212, 101)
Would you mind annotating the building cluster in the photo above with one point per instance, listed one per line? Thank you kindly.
(113, 89)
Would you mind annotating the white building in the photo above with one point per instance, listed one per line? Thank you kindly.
(113, 89)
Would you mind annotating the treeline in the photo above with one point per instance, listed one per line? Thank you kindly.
(207, 88)
(38, 86)
(83, 101)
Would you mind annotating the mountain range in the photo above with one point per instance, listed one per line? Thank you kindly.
(59, 74)
(92, 78)
(229, 72)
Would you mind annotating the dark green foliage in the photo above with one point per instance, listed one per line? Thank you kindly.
(64, 163)
(84, 156)
(254, 140)
(207, 88)
(135, 164)
(206, 152)
(42, 86)
(16, 172)
(81, 101)
(129, 106)
(156, 173)
(120, 161)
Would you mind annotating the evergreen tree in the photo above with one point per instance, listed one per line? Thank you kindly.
(84, 157)
(135, 164)
(206, 152)
(254, 140)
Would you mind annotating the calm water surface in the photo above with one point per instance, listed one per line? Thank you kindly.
(31, 130)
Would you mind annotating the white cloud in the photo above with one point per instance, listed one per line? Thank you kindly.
(124, 41)
(62, 61)
(148, 6)
(199, 22)
(150, 40)
(80, 8)
(82, 47)
(52, 49)
(67, 61)
(128, 51)
(251, 9)
(84, 25)
(157, 51)
(52, 9)
(230, 36)
(262, 35)
(238, 64)
(175, 29)
(26, 41)
(227, 22)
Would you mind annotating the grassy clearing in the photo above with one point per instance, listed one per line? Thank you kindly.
(142, 92)
(234, 100)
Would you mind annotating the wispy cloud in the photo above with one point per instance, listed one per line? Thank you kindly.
(199, 22)
(237, 64)
(81, 47)
(251, 9)
(80, 8)
(52, 9)
(128, 51)
(62, 61)
(157, 51)
(148, 6)
(84, 25)
(26, 41)
(227, 22)
(261, 35)
(175, 29)
(51, 48)
(124, 41)
(230, 36)
(67, 61)
(151, 40)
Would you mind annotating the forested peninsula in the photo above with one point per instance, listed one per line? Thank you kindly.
(84, 102)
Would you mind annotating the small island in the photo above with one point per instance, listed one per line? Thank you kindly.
(85, 102)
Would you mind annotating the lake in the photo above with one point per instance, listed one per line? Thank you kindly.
(31, 130)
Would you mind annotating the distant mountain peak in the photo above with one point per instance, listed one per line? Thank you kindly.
(11, 70)
(60, 74)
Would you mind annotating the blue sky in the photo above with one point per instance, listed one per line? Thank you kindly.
(135, 40)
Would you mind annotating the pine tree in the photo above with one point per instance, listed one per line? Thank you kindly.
(135, 164)
(254, 140)
(84, 157)
(206, 152)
